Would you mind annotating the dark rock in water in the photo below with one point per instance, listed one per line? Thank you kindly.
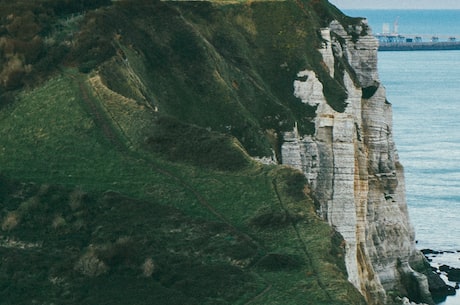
(453, 274)
(438, 287)
(444, 268)
(451, 290)
(426, 251)
(430, 251)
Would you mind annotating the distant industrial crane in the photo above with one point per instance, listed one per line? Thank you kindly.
(386, 28)
(396, 26)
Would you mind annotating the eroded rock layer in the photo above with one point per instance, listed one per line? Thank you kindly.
(352, 164)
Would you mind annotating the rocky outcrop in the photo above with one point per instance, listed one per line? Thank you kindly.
(352, 165)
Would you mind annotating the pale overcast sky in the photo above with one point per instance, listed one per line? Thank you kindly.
(396, 4)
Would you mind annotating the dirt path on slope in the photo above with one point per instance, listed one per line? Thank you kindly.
(303, 243)
(101, 121)
(99, 117)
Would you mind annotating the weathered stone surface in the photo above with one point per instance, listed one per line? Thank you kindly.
(352, 165)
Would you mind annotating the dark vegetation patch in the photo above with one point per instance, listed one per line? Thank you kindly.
(198, 146)
(294, 184)
(35, 38)
(337, 252)
(279, 261)
(369, 92)
(62, 242)
(334, 91)
(213, 281)
(92, 44)
(275, 219)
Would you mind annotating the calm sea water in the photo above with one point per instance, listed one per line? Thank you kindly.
(426, 23)
(424, 88)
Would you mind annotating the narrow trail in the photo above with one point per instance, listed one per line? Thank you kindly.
(98, 116)
(304, 245)
(108, 130)
(101, 121)
(266, 290)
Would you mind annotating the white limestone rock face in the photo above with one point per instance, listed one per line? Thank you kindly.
(360, 54)
(352, 165)
(328, 56)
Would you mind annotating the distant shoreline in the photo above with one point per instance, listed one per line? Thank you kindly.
(419, 46)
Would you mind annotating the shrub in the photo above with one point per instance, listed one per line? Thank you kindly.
(123, 251)
(24, 26)
(11, 221)
(148, 267)
(12, 74)
(338, 250)
(294, 183)
(90, 264)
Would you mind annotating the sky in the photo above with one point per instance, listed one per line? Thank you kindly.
(396, 4)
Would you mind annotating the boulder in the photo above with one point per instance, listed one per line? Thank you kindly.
(438, 287)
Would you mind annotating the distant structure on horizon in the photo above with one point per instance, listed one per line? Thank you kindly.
(393, 41)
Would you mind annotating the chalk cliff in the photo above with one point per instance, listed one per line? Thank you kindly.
(352, 165)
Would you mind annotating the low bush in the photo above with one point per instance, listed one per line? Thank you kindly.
(123, 251)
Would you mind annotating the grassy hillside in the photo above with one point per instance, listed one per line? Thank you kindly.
(125, 169)
(213, 236)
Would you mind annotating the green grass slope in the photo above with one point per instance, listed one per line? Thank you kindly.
(179, 234)
(126, 178)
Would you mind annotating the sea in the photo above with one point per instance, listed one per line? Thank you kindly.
(424, 89)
